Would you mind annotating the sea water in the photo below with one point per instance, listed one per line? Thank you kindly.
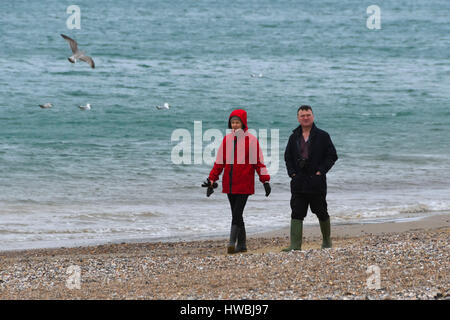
(70, 177)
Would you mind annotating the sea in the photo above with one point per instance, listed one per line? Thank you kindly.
(377, 75)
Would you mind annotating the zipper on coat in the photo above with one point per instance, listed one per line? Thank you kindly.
(231, 169)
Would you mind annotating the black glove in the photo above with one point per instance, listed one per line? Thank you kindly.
(267, 188)
(210, 189)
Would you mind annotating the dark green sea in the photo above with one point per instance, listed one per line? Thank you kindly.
(71, 177)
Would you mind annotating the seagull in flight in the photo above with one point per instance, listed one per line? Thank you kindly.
(86, 107)
(77, 54)
(46, 106)
(165, 106)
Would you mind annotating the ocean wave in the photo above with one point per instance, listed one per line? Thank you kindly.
(418, 208)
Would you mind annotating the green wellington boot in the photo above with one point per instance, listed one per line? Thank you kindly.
(296, 235)
(325, 229)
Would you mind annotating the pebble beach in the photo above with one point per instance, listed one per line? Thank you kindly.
(410, 261)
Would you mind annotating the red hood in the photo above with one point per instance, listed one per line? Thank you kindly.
(242, 114)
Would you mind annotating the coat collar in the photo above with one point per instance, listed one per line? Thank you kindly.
(298, 130)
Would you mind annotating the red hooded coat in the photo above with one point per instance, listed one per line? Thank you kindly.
(239, 156)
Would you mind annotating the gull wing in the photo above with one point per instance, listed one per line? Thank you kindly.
(72, 43)
(88, 60)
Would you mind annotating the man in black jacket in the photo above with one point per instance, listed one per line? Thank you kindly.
(309, 155)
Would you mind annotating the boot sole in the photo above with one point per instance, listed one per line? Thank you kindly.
(231, 250)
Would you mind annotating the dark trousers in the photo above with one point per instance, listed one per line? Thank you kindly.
(301, 201)
(237, 203)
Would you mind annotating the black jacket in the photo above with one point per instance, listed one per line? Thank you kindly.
(321, 157)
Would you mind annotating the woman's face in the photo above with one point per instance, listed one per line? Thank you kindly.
(236, 124)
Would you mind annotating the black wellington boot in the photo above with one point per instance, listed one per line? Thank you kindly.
(241, 240)
(233, 237)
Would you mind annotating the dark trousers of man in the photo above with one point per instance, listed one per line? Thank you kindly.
(317, 203)
(237, 203)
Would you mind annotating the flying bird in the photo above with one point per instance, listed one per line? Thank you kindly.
(86, 107)
(46, 106)
(77, 54)
(165, 106)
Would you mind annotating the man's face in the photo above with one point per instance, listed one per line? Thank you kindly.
(305, 118)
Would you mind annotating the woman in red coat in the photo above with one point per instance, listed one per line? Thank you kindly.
(239, 156)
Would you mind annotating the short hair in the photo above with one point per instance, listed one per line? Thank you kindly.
(304, 107)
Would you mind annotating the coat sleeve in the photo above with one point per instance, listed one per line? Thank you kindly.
(290, 161)
(260, 167)
(330, 156)
(219, 164)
